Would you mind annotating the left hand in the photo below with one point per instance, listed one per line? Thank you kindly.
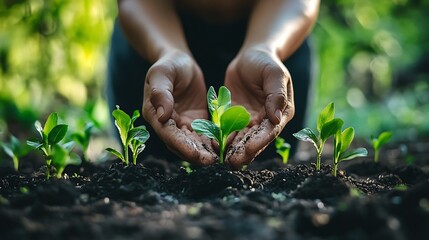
(259, 81)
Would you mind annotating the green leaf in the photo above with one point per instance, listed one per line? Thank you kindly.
(73, 159)
(138, 133)
(136, 114)
(8, 150)
(123, 123)
(207, 128)
(34, 143)
(350, 154)
(211, 96)
(39, 128)
(59, 156)
(224, 98)
(330, 128)
(346, 138)
(382, 139)
(69, 145)
(234, 119)
(51, 122)
(307, 135)
(326, 115)
(57, 134)
(279, 142)
(116, 153)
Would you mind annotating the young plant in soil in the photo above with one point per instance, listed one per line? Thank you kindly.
(283, 149)
(341, 144)
(56, 154)
(83, 138)
(327, 126)
(378, 142)
(15, 150)
(132, 137)
(226, 119)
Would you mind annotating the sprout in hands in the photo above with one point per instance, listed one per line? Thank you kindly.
(226, 119)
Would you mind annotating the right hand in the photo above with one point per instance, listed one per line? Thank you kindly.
(174, 96)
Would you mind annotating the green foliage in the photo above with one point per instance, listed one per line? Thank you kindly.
(327, 126)
(341, 144)
(15, 150)
(132, 137)
(282, 148)
(82, 138)
(226, 119)
(378, 142)
(57, 154)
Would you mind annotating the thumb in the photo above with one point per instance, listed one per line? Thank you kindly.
(277, 87)
(159, 87)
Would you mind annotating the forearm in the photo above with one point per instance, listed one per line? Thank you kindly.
(152, 27)
(281, 25)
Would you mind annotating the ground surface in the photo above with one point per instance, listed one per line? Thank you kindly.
(161, 200)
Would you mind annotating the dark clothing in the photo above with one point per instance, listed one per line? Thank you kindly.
(214, 47)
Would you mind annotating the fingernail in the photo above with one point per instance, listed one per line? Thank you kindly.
(278, 115)
(159, 112)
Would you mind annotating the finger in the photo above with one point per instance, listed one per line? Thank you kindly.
(253, 143)
(185, 144)
(159, 86)
(277, 83)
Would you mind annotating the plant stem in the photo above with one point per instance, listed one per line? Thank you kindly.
(134, 158)
(126, 155)
(15, 163)
(334, 171)
(376, 154)
(221, 150)
(318, 160)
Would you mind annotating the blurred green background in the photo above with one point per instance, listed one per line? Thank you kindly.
(373, 58)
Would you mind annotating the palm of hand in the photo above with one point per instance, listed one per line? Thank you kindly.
(261, 83)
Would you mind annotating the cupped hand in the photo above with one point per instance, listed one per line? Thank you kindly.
(175, 95)
(259, 81)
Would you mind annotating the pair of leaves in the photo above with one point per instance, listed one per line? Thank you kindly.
(342, 143)
(282, 148)
(327, 126)
(382, 139)
(217, 105)
(125, 125)
(133, 137)
(52, 133)
(62, 155)
(225, 119)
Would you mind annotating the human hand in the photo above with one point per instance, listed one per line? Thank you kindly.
(175, 95)
(259, 81)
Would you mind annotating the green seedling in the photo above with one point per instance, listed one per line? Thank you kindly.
(283, 149)
(327, 126)
(56, 154)
(15, 150)
(341, 144)
(378, 142)
(226, 119)
(83, 138)
(132, 137)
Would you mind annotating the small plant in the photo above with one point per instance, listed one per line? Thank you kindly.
(327, 126)
(378, 142)
(341, 144)
(226, 119)
(56, 154)
(283, 149)
(131, 137)
(83, 138)
(15, 150)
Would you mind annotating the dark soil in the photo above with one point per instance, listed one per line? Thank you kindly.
(161, 200)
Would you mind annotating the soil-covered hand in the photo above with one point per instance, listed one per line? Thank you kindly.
(259, 81)
(175, 95)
